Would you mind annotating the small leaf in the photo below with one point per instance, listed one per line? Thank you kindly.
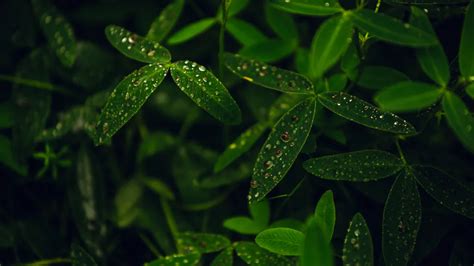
(407, 96)
(470, 90)
(79, 257)
(459, 119)
(260, 212)
(225, 258)
(358, 166)
(201, 242)
(466, 53)
(206, 91)
(358, 248)
(281, 149)
(391, 30)
(190, 31)
(244, 32)
(255, 256)
(135, 46)
(401, 220)
(360, 111)
(243, 225)
(127, 99)
(162, 25)
(336, 82)
(329, 44)
(325, 214)
(377, 77)
(446, 190)
(306, 7)
(316, 248)
(227, 177)
(269, 50)
(283, 241)
(281, 23)
(267, 76)
(177, 259)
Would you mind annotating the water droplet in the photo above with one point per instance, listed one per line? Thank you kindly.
(253, 184)
(285, 137)
(202, 68)
(278, 153)
(267, 164)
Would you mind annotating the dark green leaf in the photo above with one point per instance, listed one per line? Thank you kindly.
(283, 241)
(377, 77)
(260, 212)
(6, 115)
(255, 256)
(269, 50)
(229, 176)
(225, 258)
(282, 105)
(351, 59)
(159, 187)
(336, 82)
(459, 119)
(470, 90)
(243, 225)
(466, 53)
(177, 259)
(8, 158)
(163, 23)
(79, 257)
(358, 248)
(234, 8)
(190, 31)
(316, 248)
(126, 200)
(309, 7)
(325, 214)
(201, 242)
(281, 23)
(154, 143)
(244, 32)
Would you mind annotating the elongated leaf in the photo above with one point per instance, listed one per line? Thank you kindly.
(281, 23)
(329, 44)
(244, 32)
(255, 256)
(325, 214)
(281, 149)
(470, 90)
(80, 257)
(127, 98)
(401, 220)
(282, 105)
(201, 242)
(190, 31)
(446, 190)
(360, 111)
(309, 7)
(233, 8)
(283, 241)
(177, 259)
(244, 225)
(459, 119)
(159, 187)
(225, 258)
(163, 24)
(126, 200)
(358, 248)
(269, 50)
(267, 76)
(466, 53)
(316, 248)
(359, 166)
(408, 96)
(377, 77)
(206, 91)
(391, 30)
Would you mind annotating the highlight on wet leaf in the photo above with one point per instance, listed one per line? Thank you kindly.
(362, 112)
(190, 259)
(358, 248)
(281, 149)
(282, 105)
(254, 255)
(136, 47)
(466, 53)
(316, 248)
(190, 31)
(283, 241)
(311, 8)
(164, 23)
(206, 91)
(268, 76)
(459, 119)
(189, 242)
(325, 214)
(377, 77)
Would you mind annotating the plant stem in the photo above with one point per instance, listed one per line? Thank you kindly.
(402, 156)
(47, 262)
(150, 245)
(221, 39)
(169, 218)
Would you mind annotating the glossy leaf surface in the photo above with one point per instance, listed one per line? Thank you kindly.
(466, 53)
(283, 241)
(201, 242)
(358, 248)
(162, 25)
(255, 256)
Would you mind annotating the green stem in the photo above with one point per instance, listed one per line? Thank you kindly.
(47, 262)
(150, 245)
(35, 84)
(169, 218)
(221, 39)
(402, 156)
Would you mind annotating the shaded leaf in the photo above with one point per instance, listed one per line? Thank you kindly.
(466, 53)
(126, 200)
(358, 248)
(227, 177)
(260, 212)
(470, 90)
(79, 257)
(309, 7)
(154, 143)
(282, 105)
(283, 241)
(190, 31)
(459, 119)
(189, 242)
(6, 115)
(254, 255)
(325, 214)
(7, 157)
(225, 258)
(235, 7)
(281, 23)
(316, 248)
(336, 82)
(244, 32)
(269, 50)
(162, 25)
(177, 259)
(377, 77)
(243, 225)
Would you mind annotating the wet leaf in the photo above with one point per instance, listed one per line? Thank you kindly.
(325, 214)
(254, 255)
(206, 91)
(135, 46)
(309, 7)
(189, 242)
(377, 77)
(466, 53)
(281, 23)
(360, 111)
(164, 23)
(281, 149)
(283, 241)
(359, 166)
(244, 32)
(191, 30)
(358, 248)
(282, 105)
(177, 259)
(225, 258)
(269, 50)
(459, 119)
(79, 257)
(316, 248)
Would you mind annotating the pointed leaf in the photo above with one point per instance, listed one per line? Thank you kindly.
(377, 77)
(316, 248)
(282, 105)
(163, 23)
(79, 257)
(190, 31)
(459, 119)
(283, 241)
(255, 256)
(177, 259)
(225, 258)
(244, 32)
(360, 111)
(309, 7)
(201, 242)
(243, 225)
(466, 53)
(281, 149)
(325, 214)
(358, 248)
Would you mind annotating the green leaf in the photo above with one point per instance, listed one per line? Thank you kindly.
(459, 119)
(176, 259)
(162, 25)
(235, 7)
(79, 257)
(269, 50)
(377, 77)
(358, 248)
(329, 44)
(189, 242)
(470, 90)
(255, 256)
(239, 146)
(360, 111)
(358, 166)
(466, 53)
(260, 212)
(135, 46)
(57, 30)
(325, 214)
(401, 220)
(281, 23)
(7, 156)
(126, 201)
(206, 91)
(127, 98)
(282, 105)
(225, 258)
(407, 96)
(281, 149)
(244, 32)
(190, 31)
(283, 241)
(243, 225)
(316, 248)
(336, 82)
(446, 190)
(391, 30)
(309, 7)
(227, 177)
(350, 59)
(158, 186)
(268, 76)
(6, 115)
(155, 143)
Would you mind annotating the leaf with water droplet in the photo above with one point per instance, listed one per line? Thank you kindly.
(206, 91)
(282, 105)
(446, 190)
(311, 8)
(325, 214)
(191, 30)
(283, 241)
(466, 53)
(376, 77)
(281, 148)
(269, 50)
(201, 242)
(358, 166)
(362, 112)
(459, 119)
(225, 258)
(80, 257)
(255, 256)
(190, 259)
(268, 76)
(244, 32)
(127, 98)
(162, 25)
(390, 29)
(401, 220)
(316, 248)
(136, 47)
(358, 248)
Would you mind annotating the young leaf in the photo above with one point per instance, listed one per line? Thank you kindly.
(244, 32)
(80, 257)
(192, 30)
(190, 259)
(360, 111)
(377, 77)
(268, 76)
(446, 190)
(283, 241)
(329, 44)
(206, 91)
(135, 46)
(316, 248)
(225, 258)
(127, 98)
(162, 25)
(407, 96)
(269, 50)
(281, 149)
(459, 119)
(391, 30)
(255, 256)
(466, 53)
(358, 248)
(312, 8)
(325, 214)
(201, 242)
(359, 166)
(401, 220)
(243, 225)
(281, 23)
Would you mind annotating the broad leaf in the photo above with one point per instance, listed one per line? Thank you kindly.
(359, 166)
(281, 149)
(269, 50)
(163, 23)
(206, 91)
(177, 259)
(325, 214)
(281, 23)
(360, 111)
(127, 98)
(190, 31)
(225, 258)
(255, 256)
(244, 225)
(201, 242)
(466, 53)
(358, 248)
(244, 32)
(267, 76)
(459, 119)
(283, 241)
(309, 7)
(377, 77)
(79, 257)
(316, 248)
